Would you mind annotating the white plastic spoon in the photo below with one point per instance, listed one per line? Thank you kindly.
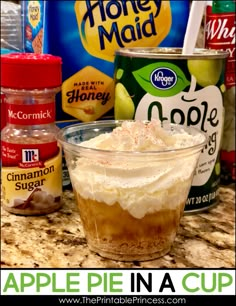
(193, 26)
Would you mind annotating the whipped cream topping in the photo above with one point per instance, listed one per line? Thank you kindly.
(141, 136)
(143, 185)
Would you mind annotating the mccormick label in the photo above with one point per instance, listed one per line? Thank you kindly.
(163, 84)
(30, 178)
(23, 114)
(220, 35)
(31, 165)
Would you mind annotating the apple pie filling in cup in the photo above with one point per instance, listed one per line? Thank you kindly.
(131, 180)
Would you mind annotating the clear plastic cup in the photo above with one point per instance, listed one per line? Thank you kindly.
(130, 202)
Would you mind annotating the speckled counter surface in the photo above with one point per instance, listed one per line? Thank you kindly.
(205, 240)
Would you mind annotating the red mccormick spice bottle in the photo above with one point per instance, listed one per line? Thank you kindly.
(31, 156)
(220, 34)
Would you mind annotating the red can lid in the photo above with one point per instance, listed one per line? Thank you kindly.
(30, 71)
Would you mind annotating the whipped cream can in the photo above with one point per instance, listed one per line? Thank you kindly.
(219, 34)
(163, 83)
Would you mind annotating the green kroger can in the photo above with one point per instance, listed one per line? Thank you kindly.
(164, 84)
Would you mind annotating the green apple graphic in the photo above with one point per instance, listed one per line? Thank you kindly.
(123, 106)
(194, 107)
(206, 72)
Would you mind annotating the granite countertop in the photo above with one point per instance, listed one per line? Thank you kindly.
(205, 240)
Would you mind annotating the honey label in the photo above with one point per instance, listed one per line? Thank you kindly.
(88, 94)
(34, 13)
(105, 26)
(33, 31)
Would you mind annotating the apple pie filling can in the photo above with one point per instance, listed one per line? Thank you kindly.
(164, 84)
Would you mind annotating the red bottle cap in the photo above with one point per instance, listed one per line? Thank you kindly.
(30, 71)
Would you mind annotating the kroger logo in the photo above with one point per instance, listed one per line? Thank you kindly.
(163, 78)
